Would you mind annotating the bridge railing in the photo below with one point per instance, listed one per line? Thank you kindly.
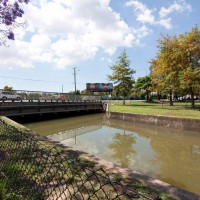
(33, 168)
(42, 95)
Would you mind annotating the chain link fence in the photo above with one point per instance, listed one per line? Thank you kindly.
(32, 168)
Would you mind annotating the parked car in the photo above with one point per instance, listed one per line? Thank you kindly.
(5, 95)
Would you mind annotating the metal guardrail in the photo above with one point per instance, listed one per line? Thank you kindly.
(35, 169)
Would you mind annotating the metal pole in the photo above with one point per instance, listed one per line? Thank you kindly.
(75, 83)
(75, 78)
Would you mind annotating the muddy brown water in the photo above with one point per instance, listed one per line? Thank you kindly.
(169, 155)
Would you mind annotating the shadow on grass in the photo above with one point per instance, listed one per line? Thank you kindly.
(163, 105)
(143, 104)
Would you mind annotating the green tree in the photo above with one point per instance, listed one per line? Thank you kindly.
(78, 92)
(157, 83)
(84, 91)
(176, 68)
(169, 64)
(144, 83)
(166, 69)
(190, 62)
(8, 88)
(122, 76)
(75, 93)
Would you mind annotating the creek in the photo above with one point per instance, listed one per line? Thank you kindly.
(169, 155)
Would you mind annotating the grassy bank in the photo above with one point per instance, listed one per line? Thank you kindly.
(180, 109)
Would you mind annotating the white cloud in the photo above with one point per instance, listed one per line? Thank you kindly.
(165, 23)
(24, 54)
(72, 50)
(37, 50)
(12, 56)
(143, 14)
(178, 6)
(148, 16)
(64, 33)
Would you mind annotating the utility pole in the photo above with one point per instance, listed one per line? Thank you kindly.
(75, 79)
(75, 82)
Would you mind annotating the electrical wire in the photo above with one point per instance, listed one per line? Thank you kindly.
(28, 79)
(39, 80)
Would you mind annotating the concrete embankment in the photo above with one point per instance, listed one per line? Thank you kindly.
(158, 120)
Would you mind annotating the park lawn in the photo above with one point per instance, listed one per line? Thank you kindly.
(180, 109)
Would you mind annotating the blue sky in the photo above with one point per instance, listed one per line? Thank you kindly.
(88, 35)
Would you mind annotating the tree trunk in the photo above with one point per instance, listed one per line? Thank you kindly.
(192, 97)
(158, 96)
(170, 97)
(124, 101)
(147, 96)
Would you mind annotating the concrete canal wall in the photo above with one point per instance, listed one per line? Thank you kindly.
(158, 120)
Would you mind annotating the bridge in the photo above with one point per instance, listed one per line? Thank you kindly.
(32, 107)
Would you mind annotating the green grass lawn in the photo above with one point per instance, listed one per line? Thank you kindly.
(180, 109)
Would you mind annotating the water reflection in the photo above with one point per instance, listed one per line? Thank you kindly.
(122, 148)
(53, 126)
(178, 163)
(61, 136)
(169, 155)
(176, 154)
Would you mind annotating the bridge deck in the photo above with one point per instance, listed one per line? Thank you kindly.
(25, 107)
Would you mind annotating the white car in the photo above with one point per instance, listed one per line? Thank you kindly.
(88, 98)
(4, 95)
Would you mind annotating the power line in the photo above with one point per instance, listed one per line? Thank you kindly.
(39, 80)
(28, 79)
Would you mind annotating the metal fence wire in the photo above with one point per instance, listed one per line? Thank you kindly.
(34, 169)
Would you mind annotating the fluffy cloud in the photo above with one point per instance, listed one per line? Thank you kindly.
(143, 14)
(64, 33)
(24, 54)
(165, 23)
(148, 16)
(179, 6)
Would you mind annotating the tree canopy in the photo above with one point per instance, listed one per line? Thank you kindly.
(177, 65)
(144, 83)
(8, 88)
(122, 76)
